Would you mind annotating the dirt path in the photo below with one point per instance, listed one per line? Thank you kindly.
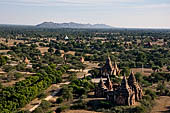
(35, 103)
(50, 96)
(162, 105)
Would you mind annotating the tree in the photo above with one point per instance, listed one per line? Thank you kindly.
(1, 86)
(3, 60)
(95, 72)
(45, 105)
(51, 50)
(151, 93)
(57, 52)
(59, 100)
(17, 75)
(38, 110)
(125, 71)
(161, 88)
(168, 68)
(34, 45)
(141, 57)
(67, 93)
(139, 77)
(155, 68)
(83, 66)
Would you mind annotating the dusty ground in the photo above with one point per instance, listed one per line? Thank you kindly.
(43, 49)
(144, 71)
(162, 105)
(4, 51)
(147, 71)
(12, 82)
(6, 84)
(69, 52)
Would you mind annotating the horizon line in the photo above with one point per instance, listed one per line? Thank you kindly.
(113, 27)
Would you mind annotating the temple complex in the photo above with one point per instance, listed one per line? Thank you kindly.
(127, 93)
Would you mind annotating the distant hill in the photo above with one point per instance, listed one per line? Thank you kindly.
(71, 25)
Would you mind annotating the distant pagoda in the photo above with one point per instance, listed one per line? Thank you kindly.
(109, 69)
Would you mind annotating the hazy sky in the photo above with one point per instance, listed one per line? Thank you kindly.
(117, 13)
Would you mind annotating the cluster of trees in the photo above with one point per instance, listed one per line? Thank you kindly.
(3, 47)
(24, 91)
(3, 60)
(139, 55)
(81, 86)
(77, 88)
(23, 50)
(162, 89)
(157, 77)
(43, 108)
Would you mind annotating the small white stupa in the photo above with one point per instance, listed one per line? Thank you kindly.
(66, 38)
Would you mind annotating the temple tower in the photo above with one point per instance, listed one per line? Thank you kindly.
(109, 84)
(135, 86)
(124, 95)
(107, 68)
(101, 89)
(26, 60)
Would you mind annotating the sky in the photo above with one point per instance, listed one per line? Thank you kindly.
(117, 13)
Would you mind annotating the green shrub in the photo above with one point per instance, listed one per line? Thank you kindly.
(17, 75)
(42, 95)
(62, 108)
(38, 110)
(139, 109)
(59, 100)
(45, 105)
(151, 93)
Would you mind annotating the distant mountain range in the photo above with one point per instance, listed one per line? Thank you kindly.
(71, 25)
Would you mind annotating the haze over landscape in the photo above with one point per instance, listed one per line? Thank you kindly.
(116, 13)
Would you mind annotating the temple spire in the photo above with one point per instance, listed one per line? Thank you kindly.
(101, 83)
(109, 83)
(26, 60)
(108, 63)
(131, 79)
(124, 83)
